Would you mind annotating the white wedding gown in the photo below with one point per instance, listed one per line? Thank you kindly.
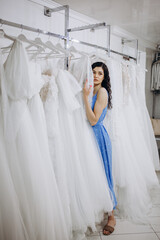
(146, 121)
(49, 95)
(11, 223)
(80, 202)
(82, 70)
(30, 163)
(133, 169)
(135, 128)
(68, 131)
(90, 195)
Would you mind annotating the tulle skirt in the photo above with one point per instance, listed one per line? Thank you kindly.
(11, 223)
(133, 170)
(34, 178)
(88, 193)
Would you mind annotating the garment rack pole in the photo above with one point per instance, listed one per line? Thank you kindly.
(91, 26)
(49, 11)
(39, 31)
(66, 41)
(137, 51)
(132, 40)
(12, 24)
(65, 8)
(109, 40)
(108, 50)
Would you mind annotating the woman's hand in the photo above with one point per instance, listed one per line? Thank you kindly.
(86, 90)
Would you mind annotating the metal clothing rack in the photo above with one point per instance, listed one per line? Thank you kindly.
(66, 38)
(49, 11)
(39, 31)
(31, 29)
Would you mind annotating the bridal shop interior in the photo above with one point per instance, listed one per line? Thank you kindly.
(53, 177)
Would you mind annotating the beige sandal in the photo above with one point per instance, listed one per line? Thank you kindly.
(109, 229)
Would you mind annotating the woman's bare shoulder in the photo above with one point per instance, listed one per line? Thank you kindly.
(102, 92)
(102, 96)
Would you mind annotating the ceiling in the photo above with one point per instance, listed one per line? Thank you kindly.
(139, 17)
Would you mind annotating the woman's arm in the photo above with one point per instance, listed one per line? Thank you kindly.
(101, 103)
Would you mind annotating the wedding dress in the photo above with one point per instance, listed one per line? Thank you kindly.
(49, 96)
(133, 169)
(89, 196)
(146, 121)
(80, 202)
(140, 145)
(11, 223)
(32, 170)
(82, 70)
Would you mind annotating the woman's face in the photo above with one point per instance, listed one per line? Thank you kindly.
(98, 75)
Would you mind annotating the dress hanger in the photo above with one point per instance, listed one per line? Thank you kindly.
(72, 49)
(95, 55)
(49, 46)
(23, 38)
(4, 35)
(59, 47)
(39, 49)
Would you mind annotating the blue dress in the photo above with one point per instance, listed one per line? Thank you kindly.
(105, 146)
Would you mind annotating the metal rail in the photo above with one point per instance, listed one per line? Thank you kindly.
(12, 24)
(66, 37)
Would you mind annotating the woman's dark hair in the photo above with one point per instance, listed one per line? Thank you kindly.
(106, 81)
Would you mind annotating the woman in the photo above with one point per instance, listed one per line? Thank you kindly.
(95, 114)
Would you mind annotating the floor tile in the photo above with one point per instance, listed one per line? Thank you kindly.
(94, 238)
(124, 227)
(158, 234)
(155, 193)
(155, 212)
(90, 233)
(140, 236)
(126, 230)
(155, 223)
